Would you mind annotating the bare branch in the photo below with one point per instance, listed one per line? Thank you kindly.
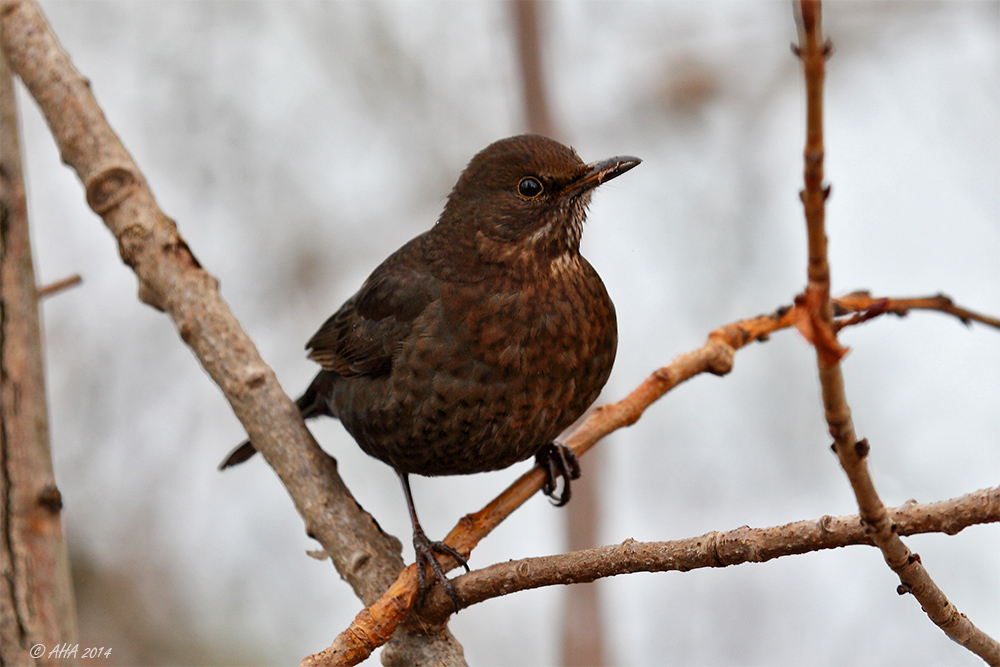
(59, 285)
(526, 17)
(864, 305)
(715, 549)
(36, 592)
(816, 323)
(172, 280)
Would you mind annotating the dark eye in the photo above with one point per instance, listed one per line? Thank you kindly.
(529, 187)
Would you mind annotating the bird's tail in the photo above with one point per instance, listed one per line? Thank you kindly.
(311, 404)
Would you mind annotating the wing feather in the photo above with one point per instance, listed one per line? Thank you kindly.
(364, 335)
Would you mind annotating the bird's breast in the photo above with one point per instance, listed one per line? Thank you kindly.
(492, 371)
(553, 321)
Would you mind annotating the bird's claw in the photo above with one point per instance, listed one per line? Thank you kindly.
(425, 550)
(558, 460)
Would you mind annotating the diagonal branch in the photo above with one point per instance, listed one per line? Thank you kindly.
(59, 285)
(172, 280)
(818, 326)
(375, 624)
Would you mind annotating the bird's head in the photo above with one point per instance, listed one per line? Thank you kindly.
(526, 197)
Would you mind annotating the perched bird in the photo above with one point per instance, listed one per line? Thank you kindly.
(478, 342)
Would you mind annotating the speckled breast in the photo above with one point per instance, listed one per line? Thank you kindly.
(487, 380)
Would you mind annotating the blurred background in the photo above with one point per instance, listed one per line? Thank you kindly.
(298, 144)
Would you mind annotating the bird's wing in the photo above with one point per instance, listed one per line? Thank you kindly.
(363, 336)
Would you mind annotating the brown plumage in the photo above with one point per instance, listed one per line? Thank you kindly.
(477, 343)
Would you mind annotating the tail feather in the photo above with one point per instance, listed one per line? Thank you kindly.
(242, 452)
(311, 404)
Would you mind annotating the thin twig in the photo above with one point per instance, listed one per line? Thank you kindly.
(863, 302)
(817, 325)
(59, 285)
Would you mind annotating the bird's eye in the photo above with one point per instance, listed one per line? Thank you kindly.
(529, 187)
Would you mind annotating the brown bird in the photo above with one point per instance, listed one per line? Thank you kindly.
(477, 343)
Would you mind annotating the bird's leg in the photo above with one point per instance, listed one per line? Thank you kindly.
(425, 549)
(557, 460)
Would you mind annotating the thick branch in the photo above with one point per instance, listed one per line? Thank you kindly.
(172, 280)
(36, 591)
(817, 324)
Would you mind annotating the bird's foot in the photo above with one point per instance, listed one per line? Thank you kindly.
(558, 460)
(425, 550)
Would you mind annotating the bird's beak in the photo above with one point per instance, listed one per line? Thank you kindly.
(603, 171)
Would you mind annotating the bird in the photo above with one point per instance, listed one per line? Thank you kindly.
(479, 341)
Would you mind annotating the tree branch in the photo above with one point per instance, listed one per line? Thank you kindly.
(816, 323)
(529, 46)
(865, 306)
(715, 549)
(172, 280)
(59, 285)
(36, 591)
